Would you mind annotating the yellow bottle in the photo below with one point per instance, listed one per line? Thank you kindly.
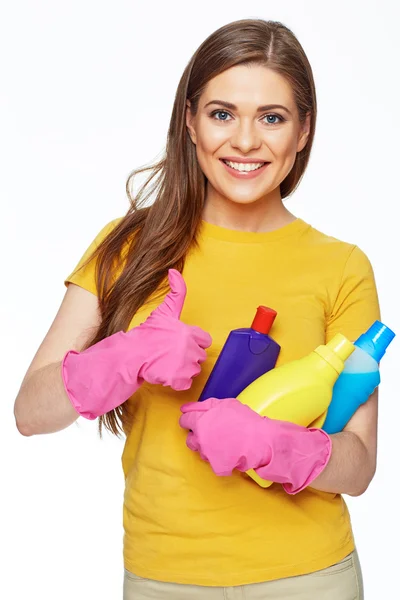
(300, 391)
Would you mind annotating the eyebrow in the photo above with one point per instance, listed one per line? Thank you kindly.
(259, 109)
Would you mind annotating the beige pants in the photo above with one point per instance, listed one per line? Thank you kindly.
(342, 581)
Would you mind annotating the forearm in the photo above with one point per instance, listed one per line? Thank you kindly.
(42, 405)
(350, 468)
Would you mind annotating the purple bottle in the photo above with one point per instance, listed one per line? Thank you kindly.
(247, 354)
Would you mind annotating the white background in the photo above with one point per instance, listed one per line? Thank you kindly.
(87, 89)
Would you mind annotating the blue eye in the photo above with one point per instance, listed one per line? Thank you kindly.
(221, 112)
(224, 112)
(274, 117)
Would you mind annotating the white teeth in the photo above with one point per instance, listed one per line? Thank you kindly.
(244, 166)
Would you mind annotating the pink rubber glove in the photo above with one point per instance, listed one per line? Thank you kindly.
(162, 350)
(230, 435)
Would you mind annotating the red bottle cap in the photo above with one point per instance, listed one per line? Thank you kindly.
(264, 319)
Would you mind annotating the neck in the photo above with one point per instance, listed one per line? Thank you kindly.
(266, 214)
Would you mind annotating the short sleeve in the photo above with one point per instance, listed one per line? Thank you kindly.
(84, 275)
(356, 306)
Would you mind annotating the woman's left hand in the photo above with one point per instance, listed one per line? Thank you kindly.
(226, 433)
(231, 435)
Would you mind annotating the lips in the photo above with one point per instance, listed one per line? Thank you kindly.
(252, 162)
(244, 174)
(237, 159)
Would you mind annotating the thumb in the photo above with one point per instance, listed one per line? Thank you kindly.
(173, 302)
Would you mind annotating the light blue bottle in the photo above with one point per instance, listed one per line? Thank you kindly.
(359, 377)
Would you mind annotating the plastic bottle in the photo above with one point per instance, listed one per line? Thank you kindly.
(246, 354)
(359, 378)
(299, 391)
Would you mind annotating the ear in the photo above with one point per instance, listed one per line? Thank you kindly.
(189, 122)
(304, 133)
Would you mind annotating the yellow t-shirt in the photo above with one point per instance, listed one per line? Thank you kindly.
(184, 524)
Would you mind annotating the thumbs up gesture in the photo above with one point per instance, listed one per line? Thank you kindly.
(174, 350)
(163, 350)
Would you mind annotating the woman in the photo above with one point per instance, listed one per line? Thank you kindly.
(220, 241)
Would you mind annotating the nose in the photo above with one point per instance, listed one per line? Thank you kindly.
(246, 137)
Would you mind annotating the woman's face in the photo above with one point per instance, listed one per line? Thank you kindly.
(246, 129)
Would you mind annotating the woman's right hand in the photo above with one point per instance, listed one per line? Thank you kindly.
(173, 349)
(163, 350)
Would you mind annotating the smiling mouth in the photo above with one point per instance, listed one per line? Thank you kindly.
(244, 167)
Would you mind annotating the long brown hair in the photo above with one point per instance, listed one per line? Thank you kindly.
(160, 235)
